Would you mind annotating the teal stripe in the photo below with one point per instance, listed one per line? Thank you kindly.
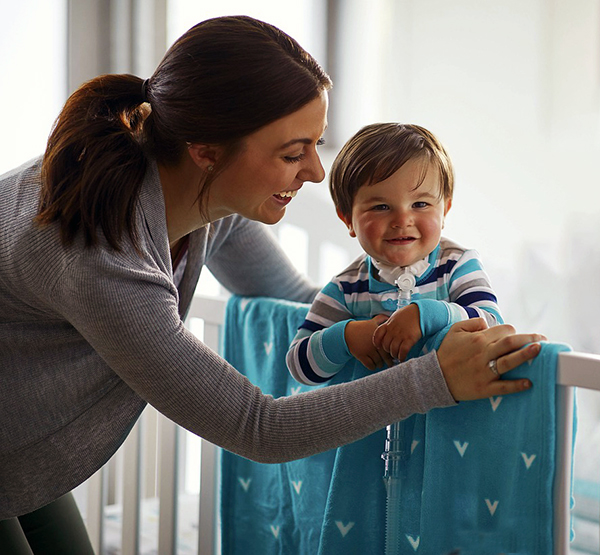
(468, 267)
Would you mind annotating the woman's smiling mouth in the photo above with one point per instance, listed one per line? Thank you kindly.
(287, 194)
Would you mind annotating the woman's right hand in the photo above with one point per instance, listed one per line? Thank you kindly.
(468, 348)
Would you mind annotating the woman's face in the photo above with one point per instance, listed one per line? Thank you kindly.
(272, 166)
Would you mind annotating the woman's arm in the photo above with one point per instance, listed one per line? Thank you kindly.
(247, 259)
(130, 319)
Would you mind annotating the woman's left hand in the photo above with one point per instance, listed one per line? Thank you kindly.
(467, 352)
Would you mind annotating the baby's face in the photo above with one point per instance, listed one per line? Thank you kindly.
(396, 223)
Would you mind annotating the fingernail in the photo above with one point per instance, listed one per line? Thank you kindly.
(526, 384)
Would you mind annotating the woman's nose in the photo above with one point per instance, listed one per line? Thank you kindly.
(313, 170)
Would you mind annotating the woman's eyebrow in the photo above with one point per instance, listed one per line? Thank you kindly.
(295, 141)
(304, 141)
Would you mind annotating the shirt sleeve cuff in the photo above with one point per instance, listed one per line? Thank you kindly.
(333, 343)
(433, 316)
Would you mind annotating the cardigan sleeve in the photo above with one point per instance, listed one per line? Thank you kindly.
(247, 259)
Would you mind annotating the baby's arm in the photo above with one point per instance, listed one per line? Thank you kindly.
(469, 295)
(330, 337)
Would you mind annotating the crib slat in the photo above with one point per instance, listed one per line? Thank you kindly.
(96, 500)
(207, 525)
(208, 462)
(169, 479)
(574, 370)
(562, 479)
(132, 472)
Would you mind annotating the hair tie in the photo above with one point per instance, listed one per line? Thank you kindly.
(145, 91)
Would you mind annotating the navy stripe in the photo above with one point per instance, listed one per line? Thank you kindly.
(305, 365)
(311, 326)
(439, 272)
(475, 297)
(355, 287)
(472, 313)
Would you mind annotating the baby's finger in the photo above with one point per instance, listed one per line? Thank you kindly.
(396, 349)
(378, 336)
(403, 352)
(387, 358)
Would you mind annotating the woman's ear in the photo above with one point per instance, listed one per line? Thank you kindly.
(204, 156)
(347, 221)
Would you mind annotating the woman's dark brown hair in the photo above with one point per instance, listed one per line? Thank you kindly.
(222, 80)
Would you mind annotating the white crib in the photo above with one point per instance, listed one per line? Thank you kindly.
(155, 444)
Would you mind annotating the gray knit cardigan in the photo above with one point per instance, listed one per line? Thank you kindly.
(88, 336)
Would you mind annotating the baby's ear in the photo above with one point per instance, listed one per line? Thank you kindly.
(347, 220)
(448, 203)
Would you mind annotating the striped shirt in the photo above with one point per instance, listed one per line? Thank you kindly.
(455, 287)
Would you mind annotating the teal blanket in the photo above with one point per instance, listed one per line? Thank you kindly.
(477, 477)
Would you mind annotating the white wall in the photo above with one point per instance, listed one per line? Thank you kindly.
(33, 75)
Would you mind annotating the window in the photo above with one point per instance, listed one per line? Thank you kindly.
(34, 76)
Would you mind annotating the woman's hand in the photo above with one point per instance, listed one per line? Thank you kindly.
(469, 347)
(399, 333)
(359, 339)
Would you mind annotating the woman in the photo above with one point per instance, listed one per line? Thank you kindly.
(102, 243)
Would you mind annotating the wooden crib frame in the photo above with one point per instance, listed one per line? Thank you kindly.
(575, 370)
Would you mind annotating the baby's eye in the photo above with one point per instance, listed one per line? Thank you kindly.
(378, 207)
(420, 204)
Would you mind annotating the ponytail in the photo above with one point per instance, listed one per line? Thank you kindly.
(94, 162)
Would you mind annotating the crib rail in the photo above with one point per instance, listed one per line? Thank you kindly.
(574, 370)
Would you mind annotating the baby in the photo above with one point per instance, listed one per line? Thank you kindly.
(392, 186)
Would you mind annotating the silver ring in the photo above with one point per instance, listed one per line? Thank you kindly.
(493, 366)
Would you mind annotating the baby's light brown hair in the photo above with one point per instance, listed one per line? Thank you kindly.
(377, 151)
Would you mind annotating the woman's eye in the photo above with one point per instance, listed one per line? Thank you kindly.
(321, 142)
(294, 159)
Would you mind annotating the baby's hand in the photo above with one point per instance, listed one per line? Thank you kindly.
(401, 331)
(358, 335)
